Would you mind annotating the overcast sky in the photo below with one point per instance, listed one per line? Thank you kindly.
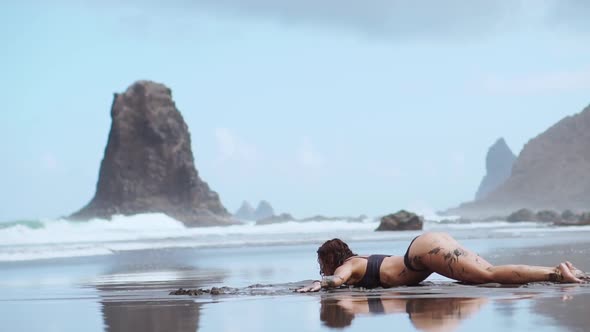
(320, 107)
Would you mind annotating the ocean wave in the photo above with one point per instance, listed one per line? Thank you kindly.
(547, 229)
(33, 224)
(120, 228)
(46, 239)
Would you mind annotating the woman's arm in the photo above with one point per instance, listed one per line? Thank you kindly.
(340, 277)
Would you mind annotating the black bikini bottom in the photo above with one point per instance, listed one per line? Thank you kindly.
(408, 262)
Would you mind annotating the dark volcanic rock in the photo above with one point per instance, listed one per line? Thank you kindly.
(148, 164)
(566, 218)
(582, 219)
(569, 216)
(522, 215)
(551, 172)
(246, 212)
(263, 211)
(202, 291)
(283, 217)
(499, 161)
(548, 216)
(401, 221)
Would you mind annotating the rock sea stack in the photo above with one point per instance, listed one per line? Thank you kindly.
(245, 212)
(148, 165)
(263, 211)
(499, 161)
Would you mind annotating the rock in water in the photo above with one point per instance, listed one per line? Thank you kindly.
(549, 216)
(499, 161)
(148, 164)
(283, 217)
(264, 211)
(245, 212)
(401, 221)
(522, 215)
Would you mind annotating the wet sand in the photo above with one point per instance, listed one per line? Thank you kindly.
(130, 292)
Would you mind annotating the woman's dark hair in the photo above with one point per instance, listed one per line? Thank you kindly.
(331, 255)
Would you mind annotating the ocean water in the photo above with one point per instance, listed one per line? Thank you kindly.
(58, 275)
(46, 239)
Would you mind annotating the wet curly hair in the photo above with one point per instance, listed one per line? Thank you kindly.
(331, 255)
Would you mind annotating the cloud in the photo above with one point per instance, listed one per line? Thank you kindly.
(448, 20)
(572, 14)
(381, 17)
(232, 148)
(307, 156)
(536, 83)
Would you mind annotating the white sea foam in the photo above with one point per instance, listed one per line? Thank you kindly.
(63, 238)
(47, 252)
(484, 225)
(562, 229)
(149, 226)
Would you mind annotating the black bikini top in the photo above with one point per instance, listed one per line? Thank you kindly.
(372, 279)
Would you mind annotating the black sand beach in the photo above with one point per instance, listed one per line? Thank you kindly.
(129, 291)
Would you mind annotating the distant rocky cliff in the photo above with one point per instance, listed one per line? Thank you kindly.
(247, 212)
(148, 164)
(551, 172)
(499, 161)
(263, 211)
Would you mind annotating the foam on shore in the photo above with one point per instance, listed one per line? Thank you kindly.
(46, 239)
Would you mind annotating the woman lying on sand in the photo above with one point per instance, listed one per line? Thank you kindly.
(428, 253)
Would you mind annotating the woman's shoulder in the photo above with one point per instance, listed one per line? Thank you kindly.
(365, 257)
(355, 257)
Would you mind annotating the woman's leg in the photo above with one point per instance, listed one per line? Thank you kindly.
(442, 254)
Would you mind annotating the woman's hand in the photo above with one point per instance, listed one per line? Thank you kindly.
(313, 287)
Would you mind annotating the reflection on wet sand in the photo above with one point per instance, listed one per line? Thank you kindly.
(134, 293)
(144, 307)
(568, 312)
(147, 316)
(426, 314)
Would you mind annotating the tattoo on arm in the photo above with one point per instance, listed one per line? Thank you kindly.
(329, 281)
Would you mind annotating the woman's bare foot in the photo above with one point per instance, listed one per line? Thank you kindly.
(565, 275)
(577, 272)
